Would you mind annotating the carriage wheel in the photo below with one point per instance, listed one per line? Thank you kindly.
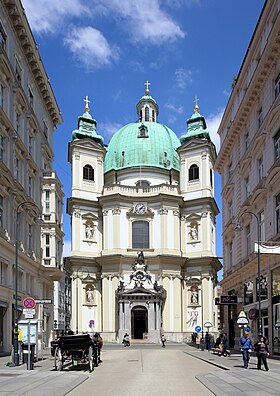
(58, 359)
(90, 359)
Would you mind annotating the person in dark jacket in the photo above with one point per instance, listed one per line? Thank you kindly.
(224, 344)
(261, 349)
(208, 341)
(245, 346)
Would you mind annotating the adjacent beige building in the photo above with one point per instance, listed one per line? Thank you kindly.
(249, 162)
(143, 228)
(28, 117)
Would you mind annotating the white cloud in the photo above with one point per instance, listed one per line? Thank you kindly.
(213, 121)
(107, 129)
(183, 77)
(47, 16)
(90, 47)
(144, 20)
(66, 248)
(182, 3)
(174, 108)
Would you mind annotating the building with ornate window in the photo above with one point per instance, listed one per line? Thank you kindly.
(28, 115)
(143, 215)
(249, 162)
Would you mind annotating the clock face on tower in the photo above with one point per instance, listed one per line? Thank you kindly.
(140, 208)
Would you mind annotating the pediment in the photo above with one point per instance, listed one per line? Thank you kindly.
(258, 145)
(89, 216)
(193, 217)
(88, 143)
(245, 165)
(139, 290)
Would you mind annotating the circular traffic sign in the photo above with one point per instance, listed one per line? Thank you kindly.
(29, 302)
(197, 329)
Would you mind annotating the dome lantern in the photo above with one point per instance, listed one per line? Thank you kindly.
(147, 108)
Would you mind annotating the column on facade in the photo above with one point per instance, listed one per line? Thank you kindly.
(105, 229)
(116, 228)
(208, 298)
(164, 228)
(109, 286)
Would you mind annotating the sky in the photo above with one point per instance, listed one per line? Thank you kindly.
(107, 49)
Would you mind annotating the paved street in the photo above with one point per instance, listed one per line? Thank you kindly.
(157, 371)
(144, 368)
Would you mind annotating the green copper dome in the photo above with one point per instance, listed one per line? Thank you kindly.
(143, 144)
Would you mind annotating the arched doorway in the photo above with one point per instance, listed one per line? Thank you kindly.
(139, 322)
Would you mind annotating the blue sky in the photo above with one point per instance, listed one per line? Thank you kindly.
(107, 49)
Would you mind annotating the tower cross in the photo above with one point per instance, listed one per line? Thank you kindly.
(196, 101)
(87, 103)
(147, 83)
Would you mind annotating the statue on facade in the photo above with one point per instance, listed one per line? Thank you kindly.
(121, 286)
(194, 297)
(157, 287)
(193, 233)
(90, 297)
(89, 231)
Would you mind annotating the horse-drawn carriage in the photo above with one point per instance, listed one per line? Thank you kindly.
(76, 348)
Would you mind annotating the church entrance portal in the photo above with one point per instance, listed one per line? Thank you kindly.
(139, 322)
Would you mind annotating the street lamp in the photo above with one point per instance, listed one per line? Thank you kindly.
(38, 219)
(239, 228)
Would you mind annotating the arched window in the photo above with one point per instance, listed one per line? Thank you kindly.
(143, 183)
(153, 115)
(88, 173)
(140, 235)
(193, 172)
(147, 113)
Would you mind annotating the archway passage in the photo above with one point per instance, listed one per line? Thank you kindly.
(139, 322)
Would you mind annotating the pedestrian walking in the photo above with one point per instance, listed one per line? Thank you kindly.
(245, 346)
(163, 341)
(208, 341)
(224, 344)
(261, 348)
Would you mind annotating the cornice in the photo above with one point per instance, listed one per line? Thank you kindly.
(252, 94)
(22, 30)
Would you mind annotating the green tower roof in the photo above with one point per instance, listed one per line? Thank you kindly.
(196, 127)
(143, 144)
(87, 127)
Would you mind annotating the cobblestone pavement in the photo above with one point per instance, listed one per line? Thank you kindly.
(149, 367)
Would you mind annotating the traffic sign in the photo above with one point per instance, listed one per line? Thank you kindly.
(43, 301)
(29, 302)
(29, 313)
(197, 329)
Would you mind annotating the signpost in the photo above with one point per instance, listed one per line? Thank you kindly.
(242, 320)
(29, 302)
(42, 301)
(29, 311)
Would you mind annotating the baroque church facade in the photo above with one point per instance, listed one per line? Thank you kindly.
(143, 228)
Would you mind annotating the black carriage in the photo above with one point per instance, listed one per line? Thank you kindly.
(76, 348)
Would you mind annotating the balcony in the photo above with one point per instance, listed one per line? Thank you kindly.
(149, 191)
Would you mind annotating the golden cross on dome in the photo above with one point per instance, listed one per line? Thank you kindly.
(87, 102)
(196, 104)
(147, 83)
